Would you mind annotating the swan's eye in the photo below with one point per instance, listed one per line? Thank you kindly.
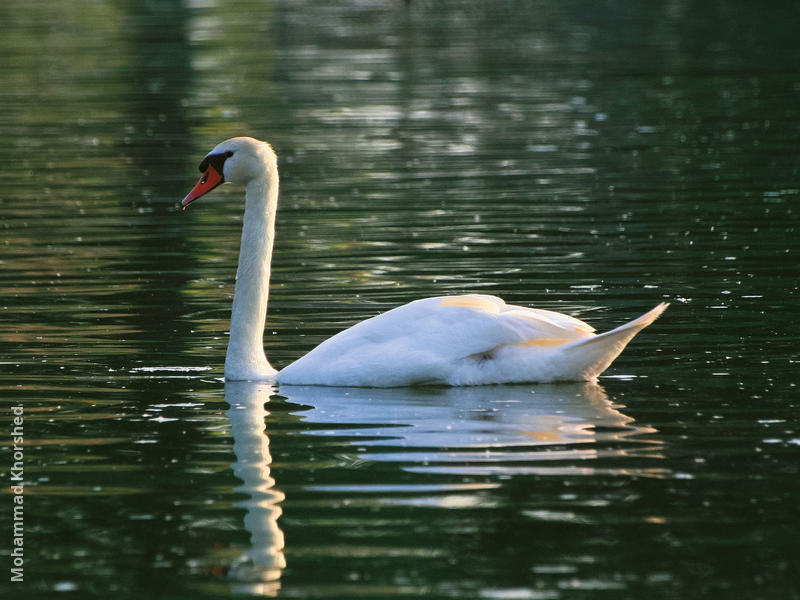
(228, 154)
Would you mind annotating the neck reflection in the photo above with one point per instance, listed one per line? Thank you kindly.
(258, 570)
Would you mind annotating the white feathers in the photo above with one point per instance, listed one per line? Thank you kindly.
(462, 340)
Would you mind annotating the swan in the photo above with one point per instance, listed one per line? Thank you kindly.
(472, 339)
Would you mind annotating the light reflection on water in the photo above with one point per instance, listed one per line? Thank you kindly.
(483, 433)
(480, 430)
(258, 569)
(588, 159)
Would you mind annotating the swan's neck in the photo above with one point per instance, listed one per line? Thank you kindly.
(245, 358)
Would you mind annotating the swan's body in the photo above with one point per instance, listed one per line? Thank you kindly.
(453, 340)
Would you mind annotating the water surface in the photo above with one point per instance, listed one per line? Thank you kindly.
(592, 159)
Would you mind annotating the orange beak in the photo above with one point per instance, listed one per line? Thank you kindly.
(210, 179)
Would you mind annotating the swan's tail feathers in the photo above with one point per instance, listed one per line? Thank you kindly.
(592, 356)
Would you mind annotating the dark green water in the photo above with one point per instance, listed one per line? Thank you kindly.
(592, 158)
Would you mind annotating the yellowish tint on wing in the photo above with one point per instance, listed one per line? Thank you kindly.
(475, 302)
(544, 342)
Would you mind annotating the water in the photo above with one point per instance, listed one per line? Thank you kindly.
(589, 158)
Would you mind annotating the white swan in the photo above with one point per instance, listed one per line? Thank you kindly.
(452, 340)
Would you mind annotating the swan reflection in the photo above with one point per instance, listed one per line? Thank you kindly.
(258, 570)
(563, 429)
(505, 429)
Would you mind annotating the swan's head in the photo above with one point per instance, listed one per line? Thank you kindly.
(237, 160)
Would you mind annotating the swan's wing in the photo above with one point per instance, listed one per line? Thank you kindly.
(420, 339)
(459, 326)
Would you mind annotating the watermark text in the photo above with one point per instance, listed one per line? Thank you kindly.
(17, 493)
